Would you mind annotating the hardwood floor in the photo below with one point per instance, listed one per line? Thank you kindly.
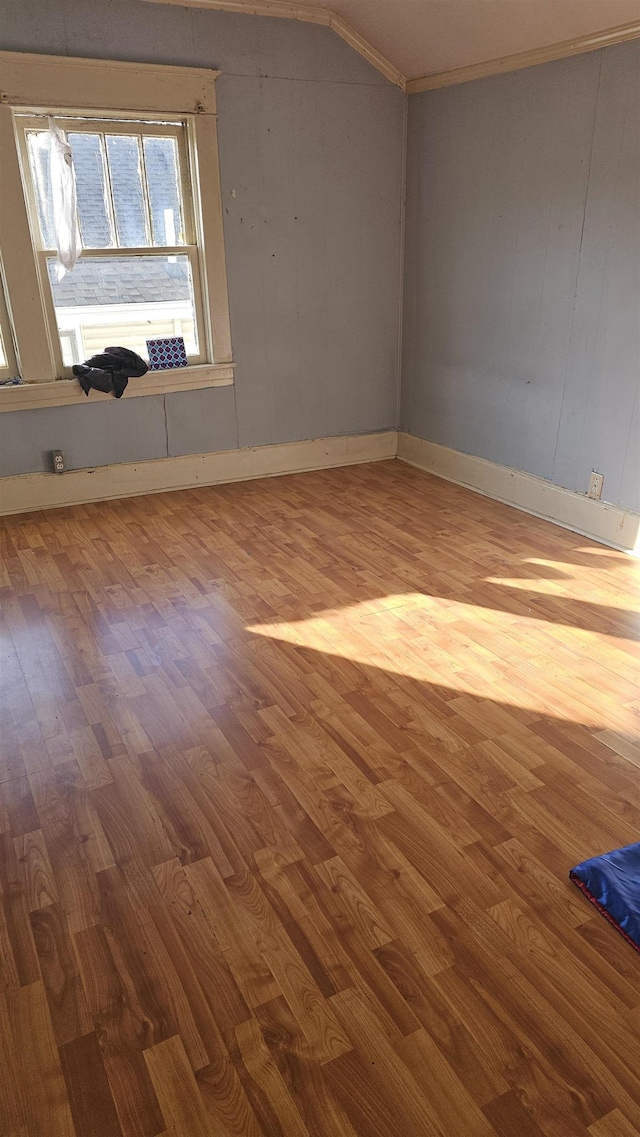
(293, 773)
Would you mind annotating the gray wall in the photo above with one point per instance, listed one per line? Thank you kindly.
(521, 326)
(311, 163)
(521, 265)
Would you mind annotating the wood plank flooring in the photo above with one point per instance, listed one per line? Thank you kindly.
(292, 775)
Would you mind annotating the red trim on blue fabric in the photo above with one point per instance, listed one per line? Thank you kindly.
(607, 915)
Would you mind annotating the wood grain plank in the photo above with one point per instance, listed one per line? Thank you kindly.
(293, 772)
(302, 1073)
(35, 868)
(44, 1091)
(391, 1077)
(615, 1124)
(92, 1107)
(123, 1033)
(276, 1110)
(457, 1040)
(13, 1111)
(453, 1106)
(16, 937)
(189, 938)
(60, 972)
(177, 1090)
(250, 969)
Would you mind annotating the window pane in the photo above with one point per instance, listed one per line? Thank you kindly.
(8, 369)
(123, 301)
(95, 226)
(126, 186)
(38, 144)
(165, 199)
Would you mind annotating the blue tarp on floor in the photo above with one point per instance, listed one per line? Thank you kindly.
(612, 883)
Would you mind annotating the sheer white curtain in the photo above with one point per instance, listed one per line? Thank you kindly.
(64, 206)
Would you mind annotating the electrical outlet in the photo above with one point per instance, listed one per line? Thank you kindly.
(57, 459)
(595, 485)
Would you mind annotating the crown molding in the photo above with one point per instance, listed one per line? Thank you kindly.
(288, 11)
(324, 16)
(530, 58)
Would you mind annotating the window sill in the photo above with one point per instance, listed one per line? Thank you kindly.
(67, 392)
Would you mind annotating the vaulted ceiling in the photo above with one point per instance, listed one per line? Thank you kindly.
(411, 39)
(424, 37)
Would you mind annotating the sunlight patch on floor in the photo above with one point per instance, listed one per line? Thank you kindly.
(509, 658)
(573, 582)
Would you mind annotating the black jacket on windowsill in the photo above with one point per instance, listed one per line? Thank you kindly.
(110, 371)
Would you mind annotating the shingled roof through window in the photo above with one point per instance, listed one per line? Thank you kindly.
(136, 280)
(120, 280)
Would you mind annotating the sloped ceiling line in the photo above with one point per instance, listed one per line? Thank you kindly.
(309, 14)
(530, 58)
(587, 40)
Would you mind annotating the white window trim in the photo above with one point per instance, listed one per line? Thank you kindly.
(10, 369)
(42, 82)
(191, 249)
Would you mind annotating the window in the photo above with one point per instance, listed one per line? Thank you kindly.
(8, 365)
(150, 218)
(139, 274)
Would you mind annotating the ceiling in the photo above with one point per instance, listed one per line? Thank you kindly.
(423, 37)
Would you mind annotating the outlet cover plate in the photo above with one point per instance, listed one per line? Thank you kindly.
(595, 485)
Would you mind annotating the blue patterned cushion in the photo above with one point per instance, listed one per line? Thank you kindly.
(166, 353)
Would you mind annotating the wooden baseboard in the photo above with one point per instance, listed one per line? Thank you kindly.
(24, 493)
(609, 524)
(598, 520)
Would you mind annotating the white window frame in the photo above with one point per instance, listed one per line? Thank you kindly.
(93, 88)
(9, 369)
(121, 125)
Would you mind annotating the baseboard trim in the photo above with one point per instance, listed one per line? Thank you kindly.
(609, 524)
(24, 493)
